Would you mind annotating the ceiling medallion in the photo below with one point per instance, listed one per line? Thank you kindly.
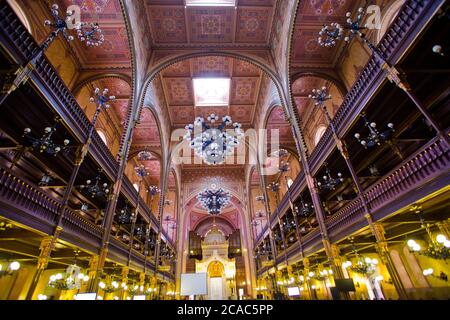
(213, 143)
(214, 200)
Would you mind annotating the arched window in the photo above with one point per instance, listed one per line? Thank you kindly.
(388, 17)
(103, 137)
(21, 14)
(319, 133)
(290, 182)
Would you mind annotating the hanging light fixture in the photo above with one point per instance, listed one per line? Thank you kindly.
(141, 171)
(87, 32)
(125, 215)
(438, 247)
(96, 189)
(214, 200)
(305, 209)
(273, 186)
(90, 33)
(328, 35)
(329, 182)
(375, 137)
(69, 280)
(45, 143)
(145, 155)
(364, 265)
(153, 190)
(213, 143)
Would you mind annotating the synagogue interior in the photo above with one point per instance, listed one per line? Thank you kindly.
(224, 150)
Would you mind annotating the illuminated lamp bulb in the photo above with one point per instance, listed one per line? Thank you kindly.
(368, 260)
(59, 276)
(411, 243)
(447, 243)
(374, 261)
(441, 238)
(14, 266)
(102, 285)
(80, 276)
(115, 284)
(416, 247)
(86, 278)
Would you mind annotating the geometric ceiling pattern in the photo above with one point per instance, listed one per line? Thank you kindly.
(311, 16)
(115, 51)
(172, 22)
(179, 92)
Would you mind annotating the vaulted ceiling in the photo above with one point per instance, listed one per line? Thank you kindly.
(179, 92)
(173, 24)
(311, 16)
(115, 51)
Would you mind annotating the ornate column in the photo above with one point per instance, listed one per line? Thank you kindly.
(295, 122)
(124, 276)
(383, 250)
(306, 264)
(46, 247)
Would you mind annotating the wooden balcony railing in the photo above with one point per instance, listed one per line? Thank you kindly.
(399, 36)
(21, 46)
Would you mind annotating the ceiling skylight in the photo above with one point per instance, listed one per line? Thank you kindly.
(212, 92)
(208, 3)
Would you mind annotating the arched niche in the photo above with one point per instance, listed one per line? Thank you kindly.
(111, 121)
(312, 117)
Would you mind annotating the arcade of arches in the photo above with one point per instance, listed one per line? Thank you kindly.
(341, 193)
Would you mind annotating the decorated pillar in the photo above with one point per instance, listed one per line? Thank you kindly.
(46, 247)
(383, 250)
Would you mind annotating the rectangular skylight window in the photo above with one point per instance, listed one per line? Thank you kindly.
(212, 92)
(210, 3)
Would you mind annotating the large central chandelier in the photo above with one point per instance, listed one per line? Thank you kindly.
(211, 142)
(214, 200)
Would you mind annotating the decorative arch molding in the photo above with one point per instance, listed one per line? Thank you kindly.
(388, 16)
(77, 88)
(253, 60)
(201, 225)
(323, 75)
(23, 17)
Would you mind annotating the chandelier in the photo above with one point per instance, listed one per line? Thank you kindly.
(125, 215)
(439, 249)
(364, 265)
(213, 143)
(274, 187)
(375, 137)
(145, 156)
(108, 285)
(96, 189)
(69, 280)
(45, 143)
(87, 32)
(153, 190)
(214, 200)
(329, 35)
(305, 209)
(329, 182)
